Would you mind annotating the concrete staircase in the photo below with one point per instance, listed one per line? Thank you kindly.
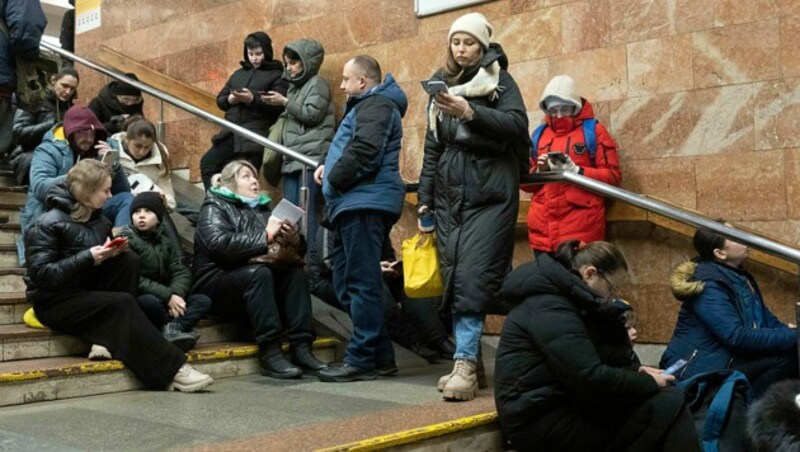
(39, 364)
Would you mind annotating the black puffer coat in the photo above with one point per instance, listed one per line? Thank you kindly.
(228, 234)
(30, 126)
(474, 191)
(559, 347)
(257, 116)
(105, 106)
(57, 248)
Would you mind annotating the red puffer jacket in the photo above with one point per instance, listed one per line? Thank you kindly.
(560, 212)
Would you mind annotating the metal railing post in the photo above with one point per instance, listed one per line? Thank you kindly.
(162, 130)
(304, 198)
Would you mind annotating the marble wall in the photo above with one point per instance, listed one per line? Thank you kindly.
(702, 96)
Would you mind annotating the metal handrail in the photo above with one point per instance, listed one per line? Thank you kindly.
(675, 213)
(185, 106)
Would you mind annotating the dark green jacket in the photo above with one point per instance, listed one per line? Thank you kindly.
(161, 272)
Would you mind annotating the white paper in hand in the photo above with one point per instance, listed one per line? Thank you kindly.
(285, 210)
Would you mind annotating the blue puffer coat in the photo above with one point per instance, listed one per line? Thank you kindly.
(723, 316)
(26, 23)
(362, 170)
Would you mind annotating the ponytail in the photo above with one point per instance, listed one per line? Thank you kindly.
(605, 257)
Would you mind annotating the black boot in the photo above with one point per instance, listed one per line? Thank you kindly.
(275, 365)
(184, 341)
(303, 357)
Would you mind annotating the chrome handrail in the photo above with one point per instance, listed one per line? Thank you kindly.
(184, 106)
(675, 213)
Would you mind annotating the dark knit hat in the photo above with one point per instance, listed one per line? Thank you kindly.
(123, 89)
(151, 201)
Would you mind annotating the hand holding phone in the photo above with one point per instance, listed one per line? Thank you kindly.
(434, 87)
(117, 242)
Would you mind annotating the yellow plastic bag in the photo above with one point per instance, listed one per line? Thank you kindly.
(30, 319)
(421, 277)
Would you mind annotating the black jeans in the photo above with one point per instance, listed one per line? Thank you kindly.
(197, 305)
(272, 299)
(220, 154)
(106, 313)
(660, 423)
(763, 371)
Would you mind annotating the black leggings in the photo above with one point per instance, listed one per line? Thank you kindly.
(107, 314)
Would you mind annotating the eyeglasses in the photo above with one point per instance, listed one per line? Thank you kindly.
(612, 289)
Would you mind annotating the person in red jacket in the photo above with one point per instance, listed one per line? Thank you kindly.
(562, 211)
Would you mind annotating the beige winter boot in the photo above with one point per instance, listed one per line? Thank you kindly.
(463, 383)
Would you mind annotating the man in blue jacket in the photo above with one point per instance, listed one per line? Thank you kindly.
(364, 197)
(25, 22)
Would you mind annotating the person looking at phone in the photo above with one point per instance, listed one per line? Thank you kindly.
(309, 120)
(81, 284)
(235, 237)
(116, 102)
(724, 322)
(563, 377)
(562, 211)
(477, 132)
(244, 106)
(79, 137)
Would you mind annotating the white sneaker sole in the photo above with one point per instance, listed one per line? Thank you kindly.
(199, 386)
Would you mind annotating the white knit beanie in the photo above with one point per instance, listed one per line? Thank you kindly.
(561, 87)
(476, 25)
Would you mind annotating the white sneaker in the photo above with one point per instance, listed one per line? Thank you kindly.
(99, 353)
(189, 379)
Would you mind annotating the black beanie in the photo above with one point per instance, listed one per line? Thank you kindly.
(151, 201)
(123, 89)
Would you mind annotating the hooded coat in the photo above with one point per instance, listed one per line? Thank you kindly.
(309, 112)
(560, 346)
(561, 211)
(473, 190)
(722, 317)
(362, 169)
(55, 156)
(57, 248)
(26, 23)
(31, 126)
(105, 106)
(257, 116)
(153, 166)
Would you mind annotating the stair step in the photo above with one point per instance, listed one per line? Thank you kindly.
(12, 308)
(12, 211)
(19, 341)
(13, 196)
(66, 377)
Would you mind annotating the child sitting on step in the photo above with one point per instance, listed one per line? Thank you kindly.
(163, 280)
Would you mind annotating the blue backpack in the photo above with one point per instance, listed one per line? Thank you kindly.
(589, 135)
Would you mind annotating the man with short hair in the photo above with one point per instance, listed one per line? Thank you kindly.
(25, 22)
(364, 198)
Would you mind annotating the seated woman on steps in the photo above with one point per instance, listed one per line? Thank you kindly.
(249, 263)
(66, 249)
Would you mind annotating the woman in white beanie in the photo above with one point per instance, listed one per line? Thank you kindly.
(561, 212)
(475, 143)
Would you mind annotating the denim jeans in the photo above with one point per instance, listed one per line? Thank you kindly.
(291, 191)
(358, 283)
(118, 209)
(467, 329)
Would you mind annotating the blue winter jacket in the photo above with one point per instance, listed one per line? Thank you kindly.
(26, 23)
(362, 170)
(723, 316)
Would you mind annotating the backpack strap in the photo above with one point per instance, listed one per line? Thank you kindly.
(718, 410)
(590, 137)
(537, 134)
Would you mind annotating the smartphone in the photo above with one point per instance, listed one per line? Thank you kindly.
(557, 157)
(675, 367)
(119, 241)
(434, 87)
(111, 157)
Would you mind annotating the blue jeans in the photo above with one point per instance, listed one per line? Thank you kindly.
(467, 329)
(358, 283)
(291, 191)
(118, 209)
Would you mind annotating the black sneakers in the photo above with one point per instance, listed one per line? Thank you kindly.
(343, 372)
(184, 341)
